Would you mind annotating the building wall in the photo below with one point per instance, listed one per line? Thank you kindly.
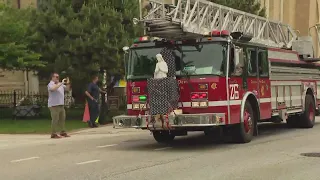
(11, 80)
(23, 3)
(300, 14)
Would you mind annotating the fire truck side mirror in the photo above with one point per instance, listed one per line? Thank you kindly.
(126, 49)
(239, 56)
(135, 21)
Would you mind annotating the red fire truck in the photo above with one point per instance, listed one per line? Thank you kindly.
(233, 70)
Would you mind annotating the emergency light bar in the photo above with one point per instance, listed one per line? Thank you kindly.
(144, 39)
(223, 33)
(141, 39)
(139, 98)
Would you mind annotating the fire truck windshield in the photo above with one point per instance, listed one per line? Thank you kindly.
(206, 58)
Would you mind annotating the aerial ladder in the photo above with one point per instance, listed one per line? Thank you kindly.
(195, 18)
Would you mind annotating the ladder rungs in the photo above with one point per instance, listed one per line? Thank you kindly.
(196, 17)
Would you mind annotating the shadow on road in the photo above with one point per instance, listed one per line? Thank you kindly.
(198, 141)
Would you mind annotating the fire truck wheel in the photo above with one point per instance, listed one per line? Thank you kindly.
(163, 136)
(308, 117)
(243, 132)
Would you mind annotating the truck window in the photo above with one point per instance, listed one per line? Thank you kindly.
(263, 63)
(252, 62)
(142, 62)
(207, 59)
(232, 61)
(238, 61)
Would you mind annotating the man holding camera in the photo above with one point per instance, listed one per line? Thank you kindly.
(56, 91)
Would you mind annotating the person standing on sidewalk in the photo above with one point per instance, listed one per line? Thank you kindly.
(92, 94)
(56, 105)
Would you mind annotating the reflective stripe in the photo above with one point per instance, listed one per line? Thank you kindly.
(215, 103)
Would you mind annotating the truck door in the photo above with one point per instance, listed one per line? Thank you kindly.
(264, 87)
(258, 79)
(237, 81)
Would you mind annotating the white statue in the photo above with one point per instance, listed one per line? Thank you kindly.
(161, 70)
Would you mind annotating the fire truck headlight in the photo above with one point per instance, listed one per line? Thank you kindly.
(135, 106)
(203, 104)
(143, 106)
(195, 104)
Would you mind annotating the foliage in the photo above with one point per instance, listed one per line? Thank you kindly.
(14, 52)
(250, 6)
(82, 37)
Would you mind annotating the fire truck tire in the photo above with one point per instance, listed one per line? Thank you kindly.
(163, 136)
(307, 119)
(243, 132)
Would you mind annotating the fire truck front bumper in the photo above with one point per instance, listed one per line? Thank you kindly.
(172, 121)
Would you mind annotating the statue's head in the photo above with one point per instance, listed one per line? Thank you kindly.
(159, 58)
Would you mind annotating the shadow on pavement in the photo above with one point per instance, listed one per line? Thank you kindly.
(198, 141)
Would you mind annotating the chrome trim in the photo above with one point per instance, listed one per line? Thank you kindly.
(227, 79)
(180, 120)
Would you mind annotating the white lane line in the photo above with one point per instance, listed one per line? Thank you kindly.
(159, 149)
(109, 145)
(25, 159)
(87, 162)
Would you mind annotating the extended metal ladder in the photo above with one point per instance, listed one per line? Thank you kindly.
(195, 18)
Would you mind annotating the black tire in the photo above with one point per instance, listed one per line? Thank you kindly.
(243, 132)
(307, 119)
(163, 136)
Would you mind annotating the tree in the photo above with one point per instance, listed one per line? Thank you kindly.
(14, 52)
(249, 6)
(82, 37)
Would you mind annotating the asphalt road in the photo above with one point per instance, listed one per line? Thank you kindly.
(109, 154)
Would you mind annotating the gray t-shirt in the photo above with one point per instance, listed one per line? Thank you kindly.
(56, 98)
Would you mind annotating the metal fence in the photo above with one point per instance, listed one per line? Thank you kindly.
(18, 104)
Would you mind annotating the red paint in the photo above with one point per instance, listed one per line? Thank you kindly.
(262, 87)
(293, 62)
(311, 112)
(247, 121)
(283, 50)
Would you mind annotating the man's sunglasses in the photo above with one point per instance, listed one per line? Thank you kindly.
(56, 76)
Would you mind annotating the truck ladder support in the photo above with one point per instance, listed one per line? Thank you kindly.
(195, 18)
